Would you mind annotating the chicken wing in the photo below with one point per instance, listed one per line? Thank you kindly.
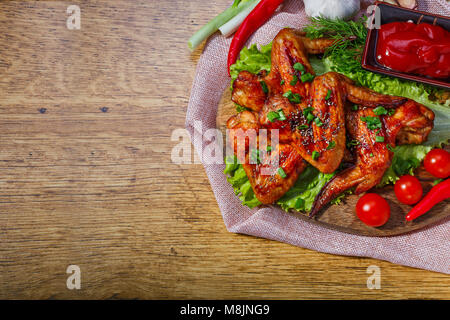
(411, 123)
(270, 174)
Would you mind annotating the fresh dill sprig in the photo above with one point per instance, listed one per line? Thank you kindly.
(348, 34)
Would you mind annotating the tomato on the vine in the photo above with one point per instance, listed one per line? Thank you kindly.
(373, 210)
(408, 189)
(437, 162)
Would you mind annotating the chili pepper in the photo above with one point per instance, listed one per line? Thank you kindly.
(438, 193)
(259, 15)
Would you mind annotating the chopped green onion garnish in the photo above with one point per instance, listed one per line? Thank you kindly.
(307, 110)
(292, 97)
(328, 96)
(331, 145)
(391, 112)
(355, 107)
(380, 111)
(281, 82)
(307, 77)
(281, 115)
(272, 116)
(379, 139)
(389, 147)
(318, 122)
(372, 122)
(302, 127)
(310, 117)
(264, 87)
(240, 108)
(294, 80)
(371, 155)
(269, 148)
(315, 155)
(299, 67)
(281, 172)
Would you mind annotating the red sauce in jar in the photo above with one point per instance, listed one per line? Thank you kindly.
(415, 48)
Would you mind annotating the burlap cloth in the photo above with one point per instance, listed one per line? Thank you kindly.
(428, 248)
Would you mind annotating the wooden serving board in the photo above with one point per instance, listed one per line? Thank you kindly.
(342, 217)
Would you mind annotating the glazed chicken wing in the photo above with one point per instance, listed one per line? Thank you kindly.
(272, 175)
(411, 123)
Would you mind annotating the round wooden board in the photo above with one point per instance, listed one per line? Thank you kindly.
(342, 217)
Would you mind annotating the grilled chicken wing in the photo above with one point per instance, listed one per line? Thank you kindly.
(267, 181)
(411, 123)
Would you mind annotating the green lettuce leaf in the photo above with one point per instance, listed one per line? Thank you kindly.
(253, 60)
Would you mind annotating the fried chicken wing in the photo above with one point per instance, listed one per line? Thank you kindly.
(411, 123)
(270, 176)
(248, 91)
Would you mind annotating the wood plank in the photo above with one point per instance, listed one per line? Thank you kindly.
(97, 189)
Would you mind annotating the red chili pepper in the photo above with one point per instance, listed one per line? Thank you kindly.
(438, 193)
(259, 15)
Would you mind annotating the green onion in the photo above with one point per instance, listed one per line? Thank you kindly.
(269, 148)
(318, 122)
(281, 115)
(355, 107)
(272, 116)
(389, 147)
(380, 111)
(292, 97)
(391, 112)
(328, 96)
(307, 110)
(264, 87)
(331, 145)
(281, 82)
(240, 108)
(379, 139)
(302, 127)
(372, 122)
(315, 155)
(310, 117)
(299, 67)
(371, 155)
(281, 172)
(307, 77)
(294, 80)
(214, 24)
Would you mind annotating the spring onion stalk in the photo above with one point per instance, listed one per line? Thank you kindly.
(214, 24)
(232, 25)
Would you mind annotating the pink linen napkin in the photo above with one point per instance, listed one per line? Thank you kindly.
(427, 248)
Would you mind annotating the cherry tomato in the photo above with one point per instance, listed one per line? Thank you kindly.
(437, 162)
(373, 210)
(408, 189)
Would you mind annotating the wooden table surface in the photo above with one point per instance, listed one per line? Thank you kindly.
(86, 179)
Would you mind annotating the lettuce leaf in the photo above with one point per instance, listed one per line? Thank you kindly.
(253, 60)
